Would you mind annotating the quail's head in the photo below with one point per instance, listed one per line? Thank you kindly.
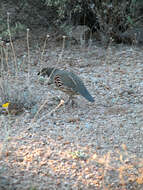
(46, 71)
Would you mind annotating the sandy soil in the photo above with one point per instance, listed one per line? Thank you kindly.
(87, 147)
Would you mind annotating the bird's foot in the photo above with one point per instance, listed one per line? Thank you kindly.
(71, 102)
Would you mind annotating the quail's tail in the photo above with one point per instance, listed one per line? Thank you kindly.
(84, 92)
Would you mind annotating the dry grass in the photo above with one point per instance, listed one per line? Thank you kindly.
(32, 159)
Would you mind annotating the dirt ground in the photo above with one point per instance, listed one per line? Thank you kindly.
(87, 147)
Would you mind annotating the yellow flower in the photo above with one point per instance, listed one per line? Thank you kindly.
(12, 108)
(6, 105)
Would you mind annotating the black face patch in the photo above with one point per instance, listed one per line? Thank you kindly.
(46, 71)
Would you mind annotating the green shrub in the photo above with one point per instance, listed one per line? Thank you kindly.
(106, 17)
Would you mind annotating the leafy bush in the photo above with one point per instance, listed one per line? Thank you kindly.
(106, 17)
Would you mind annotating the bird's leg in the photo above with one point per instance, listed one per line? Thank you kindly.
(68, 101)
(71, 101)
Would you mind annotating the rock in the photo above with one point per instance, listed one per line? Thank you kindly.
(5, 184)
(133, 36)
(81, 33)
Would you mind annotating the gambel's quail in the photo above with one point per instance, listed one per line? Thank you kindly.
(67, 82)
